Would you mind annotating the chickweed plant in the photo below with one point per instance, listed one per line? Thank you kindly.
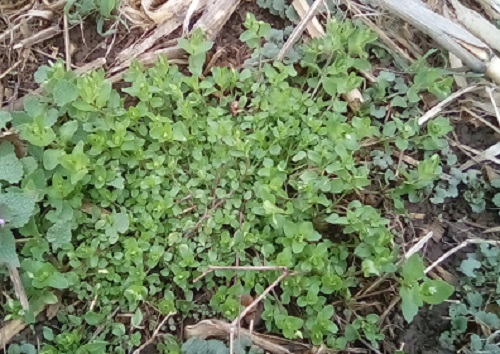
(122, 198)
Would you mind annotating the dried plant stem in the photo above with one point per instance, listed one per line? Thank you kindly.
(236, 268)
(155, 334)
(66, 42)
(251, 306)
(299, 29)
(458, 248)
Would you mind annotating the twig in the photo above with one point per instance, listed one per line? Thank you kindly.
(155, 334)
(18, 287)
(488, 154)
(9, 70)
(457, 248)
(41, 36)
(439, 107)
(373, 349)
(66, 42)
(481, 119)
(242, 314)
(490, 90)
(297, 31)
(191, 9)
(251, 268)
(261, 296)
(9, 32)
(415, 248)
(254, 303)
(492, 229)
(418, 246)
(393, 303)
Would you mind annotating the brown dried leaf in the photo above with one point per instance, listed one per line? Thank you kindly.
(437, 230)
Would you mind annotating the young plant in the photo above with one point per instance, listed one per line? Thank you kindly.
(417, 289)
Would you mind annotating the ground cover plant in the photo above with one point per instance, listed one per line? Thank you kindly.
(474, 318)
(122, 198)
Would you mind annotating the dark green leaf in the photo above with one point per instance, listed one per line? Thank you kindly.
(8, 254)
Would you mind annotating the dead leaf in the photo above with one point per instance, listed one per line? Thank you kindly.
(437, 230)
(221, 329)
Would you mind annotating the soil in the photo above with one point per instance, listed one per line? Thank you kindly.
(456, 219)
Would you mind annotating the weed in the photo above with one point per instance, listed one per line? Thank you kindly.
(477, 310)
(416, 289)
(77, 10)
(127, 205)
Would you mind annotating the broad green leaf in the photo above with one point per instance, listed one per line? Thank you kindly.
(179, 131)
(93, 318)
(468, 267)
(59, 234)
(11, 168)
(121, 222)
(21, 206)
(137, 318)
(337, 220)
(67, 130)
(58, 281)
(5, 117)
(299, 156)
(413, 269)
(106, 7)
(48, 333)
(8, 254)
(330, 86)
(271, 208)
(64, 92)
(435, 292)
(410, 302)
(51, 158)
(309, 176)
(496, 200)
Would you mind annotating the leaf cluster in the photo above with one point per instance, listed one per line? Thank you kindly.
(128, 203)
(417, 289)
(475, 319)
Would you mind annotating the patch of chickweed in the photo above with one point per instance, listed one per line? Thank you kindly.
(127, 205)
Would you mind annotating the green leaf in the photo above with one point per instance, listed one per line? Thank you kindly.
(59, 234)
(106, 7)
(8, 254)
(137, 318)
(410, 302)
(413, 269)
(51, 158)
(496, 200)
(121, 222)
(64, 92)
(58, 281)
(435, 292)
(5, 117)
(330, 86)
(309, 176)
(41, 74)
(93, 318)
(21, 206)
(11, 168)
(299, 156)
(48, 333)
(67, 130)
(469, 265)
(179, 131)
(270, 208)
